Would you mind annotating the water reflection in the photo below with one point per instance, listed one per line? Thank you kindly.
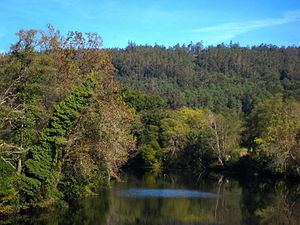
(164, 193)
(271, 202)
(238, 202)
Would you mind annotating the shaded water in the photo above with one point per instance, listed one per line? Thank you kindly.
(165, 199)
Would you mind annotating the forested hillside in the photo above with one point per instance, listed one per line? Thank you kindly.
(230, 107)
(213, 77)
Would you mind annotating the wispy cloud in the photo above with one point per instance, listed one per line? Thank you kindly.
(227, 31)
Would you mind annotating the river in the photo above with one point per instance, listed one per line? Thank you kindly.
(155, 198)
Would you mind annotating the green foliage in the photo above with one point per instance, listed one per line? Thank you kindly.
(150, 110)
(199, 154)
(198, 138)
(14, 190)
(73, 186)
(28, 186)
(213, 77)
(9, 195)
(44, 157)
(5, 169)
(45, 87)
(185, 137)
(273, 131)
(152, 154)
(139, 101)
(99, 145)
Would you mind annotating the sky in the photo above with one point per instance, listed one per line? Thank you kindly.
(162, 22)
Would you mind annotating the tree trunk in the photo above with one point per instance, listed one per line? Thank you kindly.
(19, 169)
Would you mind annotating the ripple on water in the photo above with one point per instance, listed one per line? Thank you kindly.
(164, 193)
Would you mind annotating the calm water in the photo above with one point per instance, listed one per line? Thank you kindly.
(165, 199)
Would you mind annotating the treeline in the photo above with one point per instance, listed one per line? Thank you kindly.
(64, 127)
(211, 77)
(267, 141)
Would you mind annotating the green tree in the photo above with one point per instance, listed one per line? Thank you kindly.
(225, 129)
(274, 132)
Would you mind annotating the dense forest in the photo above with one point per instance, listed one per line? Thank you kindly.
(223, 103)
(73, 114)
(212, 77)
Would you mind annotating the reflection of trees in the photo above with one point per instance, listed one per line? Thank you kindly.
(176, 210)
(265, 202)
(90, 211)
(227, 208)
(271, 202)
(283, 209)
(160, 211)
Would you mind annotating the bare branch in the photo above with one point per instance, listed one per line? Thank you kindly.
(9, 163)
(21, 149)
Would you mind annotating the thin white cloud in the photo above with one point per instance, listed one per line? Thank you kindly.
(231, 30)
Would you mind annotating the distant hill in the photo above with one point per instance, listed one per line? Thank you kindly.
(214, 77)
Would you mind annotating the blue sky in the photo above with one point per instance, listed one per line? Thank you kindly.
(164, 22)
